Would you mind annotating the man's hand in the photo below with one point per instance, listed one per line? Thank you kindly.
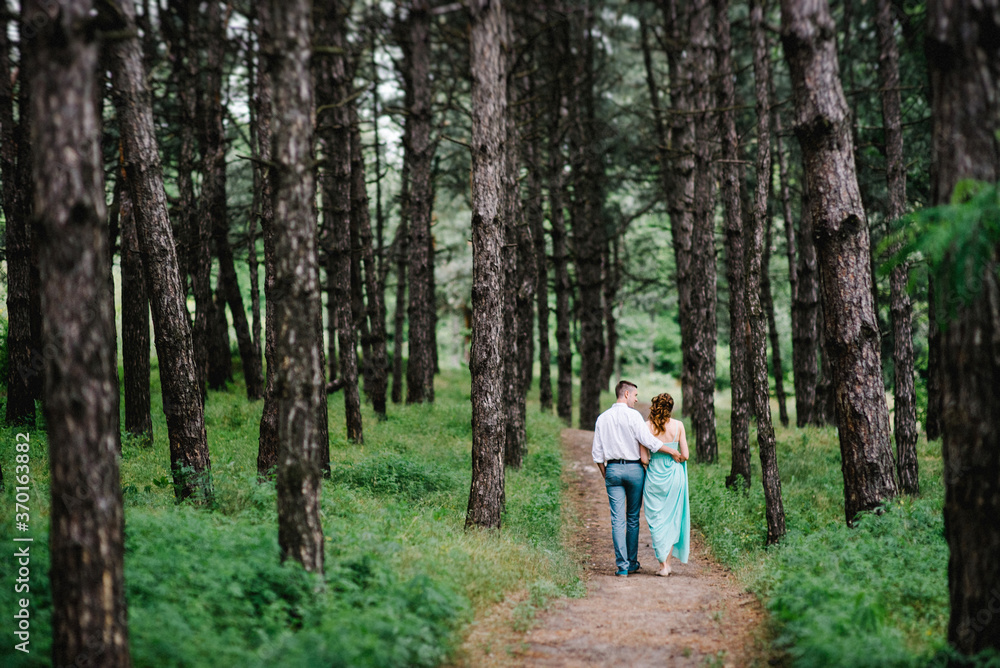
(601, 466)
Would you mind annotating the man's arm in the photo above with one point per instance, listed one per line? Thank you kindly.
(597, 450)
(642, 433)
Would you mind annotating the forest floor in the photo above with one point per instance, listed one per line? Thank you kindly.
(699, 615)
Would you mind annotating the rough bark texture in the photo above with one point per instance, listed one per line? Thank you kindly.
(399, 320)
(334, 133)
(489, 129)
(182, 399)
(678, 176)
(135, 325)
(701, 347)
(80, 402)
(773, 507)
(419, 153)
(267, 445)
(298, 365)
(767, 303)
(589, 239)
(560, 250)
(24, 358)
(253, 265)
(905, 407)
(841, 234)
(376, 363)
(739, 421)
(965, 67)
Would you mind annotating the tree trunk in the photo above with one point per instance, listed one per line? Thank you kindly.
(376, 362)
(841, 234)
(767, 303)
(560, 251)
(399, 320)
(182, 399)
(589, 239)
(964, 71)
(267, 445)
(805, 329)
(489, 169)
(297, 348)
(935, 402)
(24, 358)
(80, 401)
(334, 133)
(419, 153)
(735, 264)
(702, 344)
(902, 356)
(536, 223)
(253, 266)
(774, 509)
(135, 326)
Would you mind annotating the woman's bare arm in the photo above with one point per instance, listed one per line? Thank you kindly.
(683, 443)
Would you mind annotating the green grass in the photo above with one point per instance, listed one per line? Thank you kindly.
(403, 577)
(875, 595)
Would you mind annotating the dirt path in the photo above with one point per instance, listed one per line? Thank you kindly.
(697, 616)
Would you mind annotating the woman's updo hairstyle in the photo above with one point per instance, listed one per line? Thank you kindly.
(659, 412)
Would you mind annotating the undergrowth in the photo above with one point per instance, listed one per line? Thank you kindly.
(403, 578)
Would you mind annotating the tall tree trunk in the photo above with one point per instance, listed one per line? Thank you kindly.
(902, 355)
(212, 210)
(610, 284)
(535, 218)
(399, 320)
(841, 234)
(489, 169)
(935, 401)
(182, 399)
(735, 264)
(773, 507)
(801, 359)
(253, 266)
(297, 348)
(589, 240)
(24, 359)
(80, 402)
(678, 177)
(334, 133)
(135, 325)
(560, 251)
(702, 344)
(376, 361)
(964, 70)
(805, 329)
(267, 445)
(767, 303)
(419, 154)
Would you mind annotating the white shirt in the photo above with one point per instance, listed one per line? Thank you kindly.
(618, 433)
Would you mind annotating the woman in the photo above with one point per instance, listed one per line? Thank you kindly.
(665, 495)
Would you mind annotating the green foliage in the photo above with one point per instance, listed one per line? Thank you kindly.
(205, 587)
(875, 595)
(958, 240)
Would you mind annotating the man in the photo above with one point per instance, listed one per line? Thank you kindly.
(617, 435)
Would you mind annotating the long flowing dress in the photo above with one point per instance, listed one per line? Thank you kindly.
(668, 510)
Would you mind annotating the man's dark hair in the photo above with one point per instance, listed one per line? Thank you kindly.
(621, 387)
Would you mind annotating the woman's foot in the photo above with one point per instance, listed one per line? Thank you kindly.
(664, 572)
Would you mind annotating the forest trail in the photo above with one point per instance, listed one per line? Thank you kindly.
(698, 616)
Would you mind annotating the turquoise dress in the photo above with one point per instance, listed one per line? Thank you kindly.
(668, 511)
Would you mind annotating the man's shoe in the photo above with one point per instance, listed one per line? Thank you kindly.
(623, 574)
(633, 570)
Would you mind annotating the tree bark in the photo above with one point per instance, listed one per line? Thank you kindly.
(253, 265)
(80, 402)
(767, 303)
(902, 356)
(841, 234)
(589, 238)
(419, 153)
(558, 47)
(182, 399)
(267, 445)
(773, 507)
(701, 346)
(333, 127)
(297, 349)
(135, 325)
(489, 169)
(24, 358)
(376, 361)
(739, 421)
(935, 403)
(964, 67)
(399, 320)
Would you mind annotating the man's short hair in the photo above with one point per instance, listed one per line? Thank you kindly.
(622, 387)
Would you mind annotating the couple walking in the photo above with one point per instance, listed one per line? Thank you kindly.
(644, 463)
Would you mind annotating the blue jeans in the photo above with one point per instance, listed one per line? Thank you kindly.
(624, 484)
